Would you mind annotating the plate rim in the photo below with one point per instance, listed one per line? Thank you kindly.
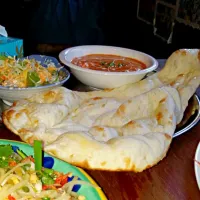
(196, 165)
(193, 123)
(99, 191)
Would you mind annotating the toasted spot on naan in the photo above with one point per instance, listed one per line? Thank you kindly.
(120, 132)
(23, 130)
(28, 111)
(90, 104)
(52, 96)
(180, 75)
(127, 162)
(172, 83)
(199, 55)
(14, 103)
(168, 137)
(180, 89)
(162, 100)
(108, 89)
(184, 53)
(31, 140)
(35, 122)
(83, 164)
(181, 51)
(71, 156)
(148, 166)
(9, 114)
(121, 110)
(49, 95)
(133, 168)
(18, 115)
(178, 51)
(103, 163)
(24, 110)
(96, 98)
(169, 122)
(159, 116)
(129, 101)
(98, 128)
(131, 123)
(53, 152)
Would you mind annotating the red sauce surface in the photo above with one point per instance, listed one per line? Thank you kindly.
(109, 63)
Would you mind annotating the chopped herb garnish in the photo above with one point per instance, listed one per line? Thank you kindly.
(5, 153)
(5, 150)
(26, 167)
(25, 189)
(3, 57)
(103, 63)
(38, 154)
(112, 64)
(21, 153)
(32, 79)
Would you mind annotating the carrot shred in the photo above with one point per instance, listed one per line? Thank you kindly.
(11, 197)
(12, 163)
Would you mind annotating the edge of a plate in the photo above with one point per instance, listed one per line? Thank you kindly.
(98, 190)
(196, 165)
(193, 123)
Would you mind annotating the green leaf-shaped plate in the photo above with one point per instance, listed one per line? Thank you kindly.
(89, 192)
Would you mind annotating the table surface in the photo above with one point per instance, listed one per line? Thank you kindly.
(173, 178)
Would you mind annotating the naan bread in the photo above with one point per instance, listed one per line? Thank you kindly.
(127, 128)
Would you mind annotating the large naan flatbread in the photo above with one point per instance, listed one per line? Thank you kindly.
(127, 128)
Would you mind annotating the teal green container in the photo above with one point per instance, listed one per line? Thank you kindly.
(11, 47)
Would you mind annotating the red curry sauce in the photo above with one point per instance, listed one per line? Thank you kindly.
(109, 63)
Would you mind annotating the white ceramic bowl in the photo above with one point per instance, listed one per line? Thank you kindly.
(197, 165)
(100, 79)
(10, 94)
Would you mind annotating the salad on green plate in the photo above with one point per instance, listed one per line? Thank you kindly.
(41, 177)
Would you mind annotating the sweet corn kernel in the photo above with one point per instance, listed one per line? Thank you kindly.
(70, 174)
(81, 197)
(38, 186)
(33, 178)
(15, 180)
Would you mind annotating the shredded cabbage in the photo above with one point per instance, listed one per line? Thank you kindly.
(27, 73)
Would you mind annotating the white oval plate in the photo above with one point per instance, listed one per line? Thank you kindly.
(197, 165)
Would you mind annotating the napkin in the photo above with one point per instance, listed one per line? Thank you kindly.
(3, 31)
(10, 46)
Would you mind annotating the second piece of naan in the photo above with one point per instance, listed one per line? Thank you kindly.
(127, 128)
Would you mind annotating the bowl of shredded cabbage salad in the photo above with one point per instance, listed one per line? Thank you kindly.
(26, 177)
(21, 78)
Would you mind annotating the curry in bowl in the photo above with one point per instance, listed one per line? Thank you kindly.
(109, 63)
(106, 66)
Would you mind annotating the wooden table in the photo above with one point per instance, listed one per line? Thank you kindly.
(171, 179)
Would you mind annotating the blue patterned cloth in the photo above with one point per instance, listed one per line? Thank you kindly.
(71, 22)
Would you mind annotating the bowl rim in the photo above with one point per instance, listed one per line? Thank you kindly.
(63, 53)
(39, 87)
